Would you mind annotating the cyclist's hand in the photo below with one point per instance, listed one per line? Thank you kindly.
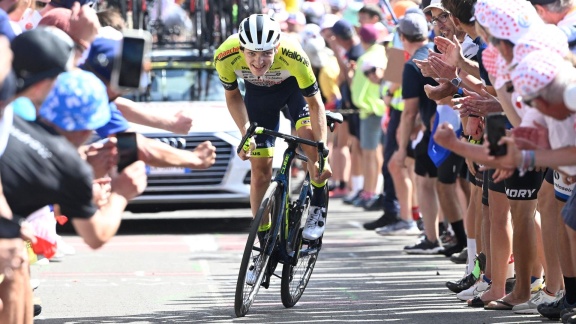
(246, 152)
(327, 173)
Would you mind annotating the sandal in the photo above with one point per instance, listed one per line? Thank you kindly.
(499, 304)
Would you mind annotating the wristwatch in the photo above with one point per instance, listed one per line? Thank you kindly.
(456, 81)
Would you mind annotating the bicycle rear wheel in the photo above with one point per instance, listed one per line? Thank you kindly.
(296, 275)
(257, 253)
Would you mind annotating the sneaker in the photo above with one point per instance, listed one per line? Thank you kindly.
(553, 310)
(64, 247)
(401, 227)
(479, 287)
(460, 258)
(531, 306)
(375, 203)
(338, 193)
(349, 200)
(384, 220)
(424, 247)
(452, 249)
(568, 316)
(253, 271)
(37, 306)
(462, 284)
(537, 285)
(314, 227)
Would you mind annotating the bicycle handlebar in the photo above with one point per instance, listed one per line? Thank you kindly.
(255, 130)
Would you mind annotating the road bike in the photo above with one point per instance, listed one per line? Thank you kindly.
(283, 242)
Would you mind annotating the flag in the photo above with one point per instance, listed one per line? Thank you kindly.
(444, 113)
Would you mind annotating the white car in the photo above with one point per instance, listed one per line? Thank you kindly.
(182, 80)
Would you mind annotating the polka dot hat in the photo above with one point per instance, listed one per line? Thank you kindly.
(537, 70)
(548, 37)
(507, 19)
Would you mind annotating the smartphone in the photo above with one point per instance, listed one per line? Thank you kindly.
(495, 130)
(127, 149)
(134, 55)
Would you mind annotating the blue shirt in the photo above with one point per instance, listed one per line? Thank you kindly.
(5, 28)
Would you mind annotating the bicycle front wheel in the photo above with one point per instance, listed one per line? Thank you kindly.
(295, 275)
(257, 251)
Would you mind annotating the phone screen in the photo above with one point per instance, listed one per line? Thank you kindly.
(127, 149)
(495, 130)
(131, 60)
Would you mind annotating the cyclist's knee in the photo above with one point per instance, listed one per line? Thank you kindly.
(261, 177)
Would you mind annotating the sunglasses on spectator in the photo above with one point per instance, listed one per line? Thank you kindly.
(443, 17)
(368, 72)
(528, 101)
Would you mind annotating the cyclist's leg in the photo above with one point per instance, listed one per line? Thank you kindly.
(300, 115)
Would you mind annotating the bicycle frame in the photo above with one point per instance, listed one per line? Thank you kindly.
(287, 222)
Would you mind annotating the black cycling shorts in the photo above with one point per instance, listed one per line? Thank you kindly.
(264, 104)
(525, 187)
(424, 166)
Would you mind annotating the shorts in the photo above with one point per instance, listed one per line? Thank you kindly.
(569, 212)
(525, 187)
(450, 169)
(354, 125)
(264, 104)
(562, 191)
(370, 132)
(424, 166)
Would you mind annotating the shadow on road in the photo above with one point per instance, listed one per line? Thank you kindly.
(176, 226)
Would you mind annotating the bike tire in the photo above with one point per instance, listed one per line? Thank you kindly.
(245, 293)
(295, 277)
(199, 14)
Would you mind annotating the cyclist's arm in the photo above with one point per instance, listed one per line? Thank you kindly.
(317, 117)
(237, 109)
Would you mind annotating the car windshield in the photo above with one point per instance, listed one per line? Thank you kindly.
(181, 81)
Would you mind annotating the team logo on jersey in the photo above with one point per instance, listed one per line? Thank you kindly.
(227, 53)
(295, 56)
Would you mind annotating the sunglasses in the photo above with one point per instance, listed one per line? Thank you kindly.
(528, 101)
(441, 18)
(368, 72)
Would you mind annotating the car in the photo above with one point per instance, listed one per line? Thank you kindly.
(185, 79)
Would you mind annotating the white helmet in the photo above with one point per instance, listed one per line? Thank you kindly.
(259, 33)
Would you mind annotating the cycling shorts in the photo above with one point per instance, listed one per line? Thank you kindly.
(264, 105)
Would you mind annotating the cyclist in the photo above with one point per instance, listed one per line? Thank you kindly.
(277, 73)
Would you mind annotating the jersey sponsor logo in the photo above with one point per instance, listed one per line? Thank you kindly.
(229, 52)
(295, 56)
(235, 60)
(284, 60)
(520, 193)
(32, 143)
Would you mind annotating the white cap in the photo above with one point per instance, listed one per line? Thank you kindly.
(328, 21)
(373, 62)
(570, 97)
(436, 4)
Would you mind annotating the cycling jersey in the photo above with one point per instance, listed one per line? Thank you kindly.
(289, 61)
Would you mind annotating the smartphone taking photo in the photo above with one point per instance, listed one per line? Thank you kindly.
(127, 149)
(495, 130)
(129, 65)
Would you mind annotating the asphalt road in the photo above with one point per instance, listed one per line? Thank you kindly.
(185, 270)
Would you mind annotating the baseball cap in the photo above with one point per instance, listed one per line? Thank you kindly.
(399, 8)
(510, 19)
(373, 62)
(368, 34)
(328, 21)
(541, 2)
(434, 4)
(41, 53)
(339, 4)
(343, 29)
(537, 70)
(413, 24)
(101, 56)
(548, 37)
(77, 102)
(296, 18)
(317, 52)
(69, 3)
